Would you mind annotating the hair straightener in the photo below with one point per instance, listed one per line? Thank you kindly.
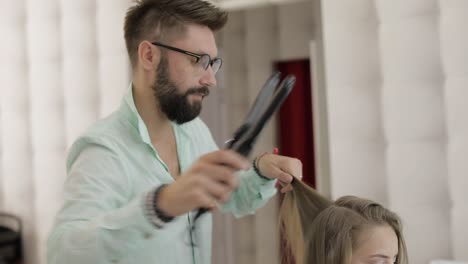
(267, 102)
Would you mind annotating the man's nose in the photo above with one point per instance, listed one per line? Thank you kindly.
(208, 79)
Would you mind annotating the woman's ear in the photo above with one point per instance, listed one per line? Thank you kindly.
(148, 56)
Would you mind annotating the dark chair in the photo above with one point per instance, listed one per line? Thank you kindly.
(10, 239)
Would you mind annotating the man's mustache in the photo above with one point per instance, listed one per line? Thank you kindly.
(204, 91)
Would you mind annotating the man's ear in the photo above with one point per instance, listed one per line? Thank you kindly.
(148, 56)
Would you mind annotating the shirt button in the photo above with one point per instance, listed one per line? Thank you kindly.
(147, 236)
(114, 261)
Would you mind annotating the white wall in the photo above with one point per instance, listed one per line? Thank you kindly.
(454, 55)
(395, 72)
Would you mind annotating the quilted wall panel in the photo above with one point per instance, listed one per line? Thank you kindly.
(113, 66)
(454, 54)
(357, 146)
(63, 66)
(46, 112)
(412, 56)
(80, 66)
(15, 144)
(414, 121)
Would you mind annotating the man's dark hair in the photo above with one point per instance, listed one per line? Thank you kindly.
(158, 19)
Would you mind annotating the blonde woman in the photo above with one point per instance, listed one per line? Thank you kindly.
(350, 230)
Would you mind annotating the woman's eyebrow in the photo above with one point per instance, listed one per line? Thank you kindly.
(380, 256)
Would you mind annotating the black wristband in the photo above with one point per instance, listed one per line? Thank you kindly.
(254, 165)
(159, 213)
(151, 210)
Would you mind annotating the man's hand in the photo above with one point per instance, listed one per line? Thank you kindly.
(280, 167)
(209, 181)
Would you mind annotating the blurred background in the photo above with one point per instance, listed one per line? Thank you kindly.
(379, 110)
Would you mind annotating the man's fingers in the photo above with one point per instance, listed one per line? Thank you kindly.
(220, 173)
(291, 166)
(218, 184)
(282, 176)
(228, 158)
(286, 188)
(219, 192)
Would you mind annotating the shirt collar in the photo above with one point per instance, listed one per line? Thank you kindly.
(134, 117)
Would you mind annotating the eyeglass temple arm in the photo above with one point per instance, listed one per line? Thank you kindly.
(198, 56)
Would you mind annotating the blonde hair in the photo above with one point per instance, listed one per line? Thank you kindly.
(320, 231)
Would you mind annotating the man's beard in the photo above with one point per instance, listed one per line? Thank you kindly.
(176, 106)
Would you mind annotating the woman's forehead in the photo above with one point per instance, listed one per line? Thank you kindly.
(376, 240)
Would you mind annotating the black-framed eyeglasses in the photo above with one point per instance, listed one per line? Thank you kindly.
(204, 60)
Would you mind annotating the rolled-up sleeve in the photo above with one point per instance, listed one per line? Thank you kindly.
(98, 222)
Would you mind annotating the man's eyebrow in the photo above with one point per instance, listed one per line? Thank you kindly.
(203, 52)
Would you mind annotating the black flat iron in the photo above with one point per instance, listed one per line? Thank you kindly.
(267, 102)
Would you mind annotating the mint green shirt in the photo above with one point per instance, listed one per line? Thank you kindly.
(110, 170)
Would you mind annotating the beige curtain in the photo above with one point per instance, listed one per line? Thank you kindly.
(251, 43)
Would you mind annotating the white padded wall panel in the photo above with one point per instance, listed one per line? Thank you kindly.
(417, 177)
(351, 101)
(397, 10)
(422, 105)
(458, 167)
(114, 69)
(13, 107)
(352, 54)
(357, 166)
(430, 230)
(353, 78)
(454, 40)
(408, 33)
(459, 232)
(15, 144)
(80, 71)
(422, 61)
(414, 123)
(356, 139)
(47, 117)
(63, 63)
